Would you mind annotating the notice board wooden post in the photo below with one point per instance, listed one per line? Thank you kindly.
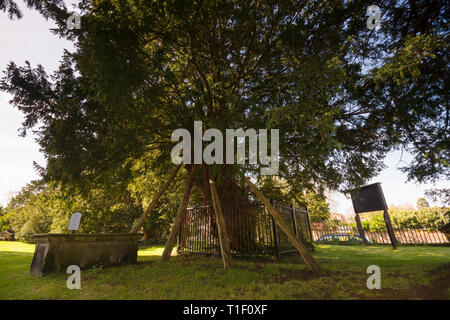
(387, 219)
(360, 229)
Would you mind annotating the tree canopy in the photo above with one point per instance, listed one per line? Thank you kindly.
(342, 95)
(439, 195)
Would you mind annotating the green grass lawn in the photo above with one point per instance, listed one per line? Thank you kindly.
(406, 273)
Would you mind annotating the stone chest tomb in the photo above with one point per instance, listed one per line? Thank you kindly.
(55, 252)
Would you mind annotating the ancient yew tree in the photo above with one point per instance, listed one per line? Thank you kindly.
(341, 94)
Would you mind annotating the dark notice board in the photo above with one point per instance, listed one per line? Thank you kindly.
(368, 198)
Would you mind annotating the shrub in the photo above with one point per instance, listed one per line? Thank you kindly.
(423, 218)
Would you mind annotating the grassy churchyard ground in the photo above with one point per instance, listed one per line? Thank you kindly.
(406, 273)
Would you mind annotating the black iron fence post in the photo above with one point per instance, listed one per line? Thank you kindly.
(294, 223)
(275, 235)
(309, 223)
(179, 239)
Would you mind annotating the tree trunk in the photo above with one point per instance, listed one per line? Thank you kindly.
(155, 200)
(152, 232)
(177, 223)
(221, 226)
(306, 255)
(238, 213)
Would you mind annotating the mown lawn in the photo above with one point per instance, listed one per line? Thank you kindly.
(406, 273)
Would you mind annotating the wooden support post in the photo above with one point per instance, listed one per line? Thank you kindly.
(390, 229)
(155, 200)
(387, 219)
(177, 223)
(360, 229)
(220, 220)
(308, 259)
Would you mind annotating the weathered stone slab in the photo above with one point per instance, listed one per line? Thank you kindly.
(55, 252)
(74, 222)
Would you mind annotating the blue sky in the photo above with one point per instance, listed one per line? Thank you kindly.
(30, 39)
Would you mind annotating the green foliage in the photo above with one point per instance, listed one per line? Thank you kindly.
(365, 225)
(46, 207)
(274, 188)
(332, 223)
(13, 9)
(424, 218)
(439, 195)
(317, 205)
(5, 220)
(29, 214)
(377, 222)
(279, 190)
(144, 68)
(144, 186)
(41, 208)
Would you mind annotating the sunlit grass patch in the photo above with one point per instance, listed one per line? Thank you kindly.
(16, 246)
(152, 251)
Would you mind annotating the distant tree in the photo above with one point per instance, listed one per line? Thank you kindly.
(422, 203)
(377, 222)
(5, 220)
(364, 223)
(318, 207)
(30, 214)
(45, 207)
(43, 6)
(424, 218)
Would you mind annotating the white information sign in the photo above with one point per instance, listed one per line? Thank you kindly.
(74, 222)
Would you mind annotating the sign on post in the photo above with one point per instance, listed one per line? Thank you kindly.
(74, 222)
(371, 198)
(368, 198)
